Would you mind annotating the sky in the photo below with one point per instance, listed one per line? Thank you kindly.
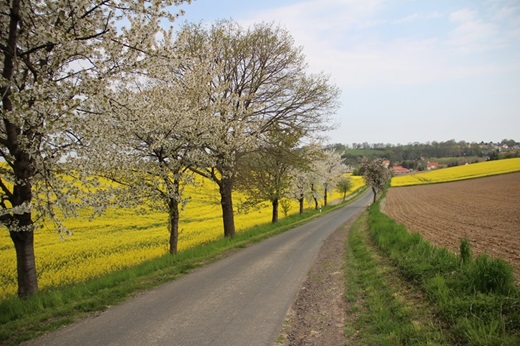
(409, 70)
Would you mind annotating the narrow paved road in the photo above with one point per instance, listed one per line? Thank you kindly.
(240, 300)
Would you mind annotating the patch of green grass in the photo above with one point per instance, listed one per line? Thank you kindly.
(476, 297)
(383, 308)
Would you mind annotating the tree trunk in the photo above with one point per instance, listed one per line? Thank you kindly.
(316, 204)
(25, 262)
(21, 228)
(275, 211)
(325, 197)
(301, 204)
(174, 225)
(226, 201)
(375, 194)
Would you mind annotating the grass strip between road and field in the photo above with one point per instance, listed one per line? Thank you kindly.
(472, 301)
(382, 307)
(47, 310)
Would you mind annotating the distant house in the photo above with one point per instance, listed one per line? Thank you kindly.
(432, 165)
(400, 170)
(386, 163)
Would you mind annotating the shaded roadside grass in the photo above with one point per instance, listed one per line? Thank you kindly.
(22, 320)
(476, 298)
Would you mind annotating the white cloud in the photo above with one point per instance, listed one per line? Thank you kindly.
(338, 37)
(473, 34)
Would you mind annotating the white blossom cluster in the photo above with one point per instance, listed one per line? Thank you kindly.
(57, 57)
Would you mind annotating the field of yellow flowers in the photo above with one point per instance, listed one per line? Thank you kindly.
(475, 170)
(123, 238)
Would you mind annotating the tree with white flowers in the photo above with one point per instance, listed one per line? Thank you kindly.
(331, 169)
(55, 56)
(375, 174)
(150, 136)
(304, 177)
(258, 83)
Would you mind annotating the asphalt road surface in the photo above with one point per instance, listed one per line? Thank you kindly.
(239, 300)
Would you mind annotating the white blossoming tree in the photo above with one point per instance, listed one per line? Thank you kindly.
(375, 174)
(258, 82)
(305, 179)
(331, 168)
(56, 54)
(150, 137)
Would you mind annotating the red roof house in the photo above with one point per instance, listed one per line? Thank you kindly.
(432, 165)
(400, 170)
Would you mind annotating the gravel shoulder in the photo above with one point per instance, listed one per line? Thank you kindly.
(318, 314)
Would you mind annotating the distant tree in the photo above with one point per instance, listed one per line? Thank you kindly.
(300, 185)
(375, 174)
(259, 81)
(343, 186)
(265, 174)
(330, 167)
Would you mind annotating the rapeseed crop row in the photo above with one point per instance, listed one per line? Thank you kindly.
(123, 238)
(475, 170)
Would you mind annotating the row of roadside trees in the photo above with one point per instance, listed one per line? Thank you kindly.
(95, 90)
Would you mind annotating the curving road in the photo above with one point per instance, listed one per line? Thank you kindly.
(239, 300)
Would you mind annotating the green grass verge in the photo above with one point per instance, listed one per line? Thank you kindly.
(22, 320)
(382, 307)
(476, 297)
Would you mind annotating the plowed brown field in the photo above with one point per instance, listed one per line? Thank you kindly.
(485, 210)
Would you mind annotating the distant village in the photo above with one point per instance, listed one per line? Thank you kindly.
(404, 159)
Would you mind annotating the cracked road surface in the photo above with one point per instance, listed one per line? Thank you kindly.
(239, 300)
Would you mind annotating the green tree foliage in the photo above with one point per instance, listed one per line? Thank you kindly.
(343, 186)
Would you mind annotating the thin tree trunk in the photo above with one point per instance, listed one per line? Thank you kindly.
(375, 194)
(226, 201)
(275, 203)
(174, 225)
(325, 197)
(301, 204)
(316, 204)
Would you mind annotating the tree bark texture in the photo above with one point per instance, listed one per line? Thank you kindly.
(174, 225)
(300, 201)
(275, 204)
(325, 197)
(25, 262)
(20, 226)
(226, 201)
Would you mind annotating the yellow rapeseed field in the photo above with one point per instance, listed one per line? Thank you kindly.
(475, 170)
(123, 238)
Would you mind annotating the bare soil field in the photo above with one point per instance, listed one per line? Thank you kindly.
(485, 210)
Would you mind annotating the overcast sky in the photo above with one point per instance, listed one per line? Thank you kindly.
(409, 70)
